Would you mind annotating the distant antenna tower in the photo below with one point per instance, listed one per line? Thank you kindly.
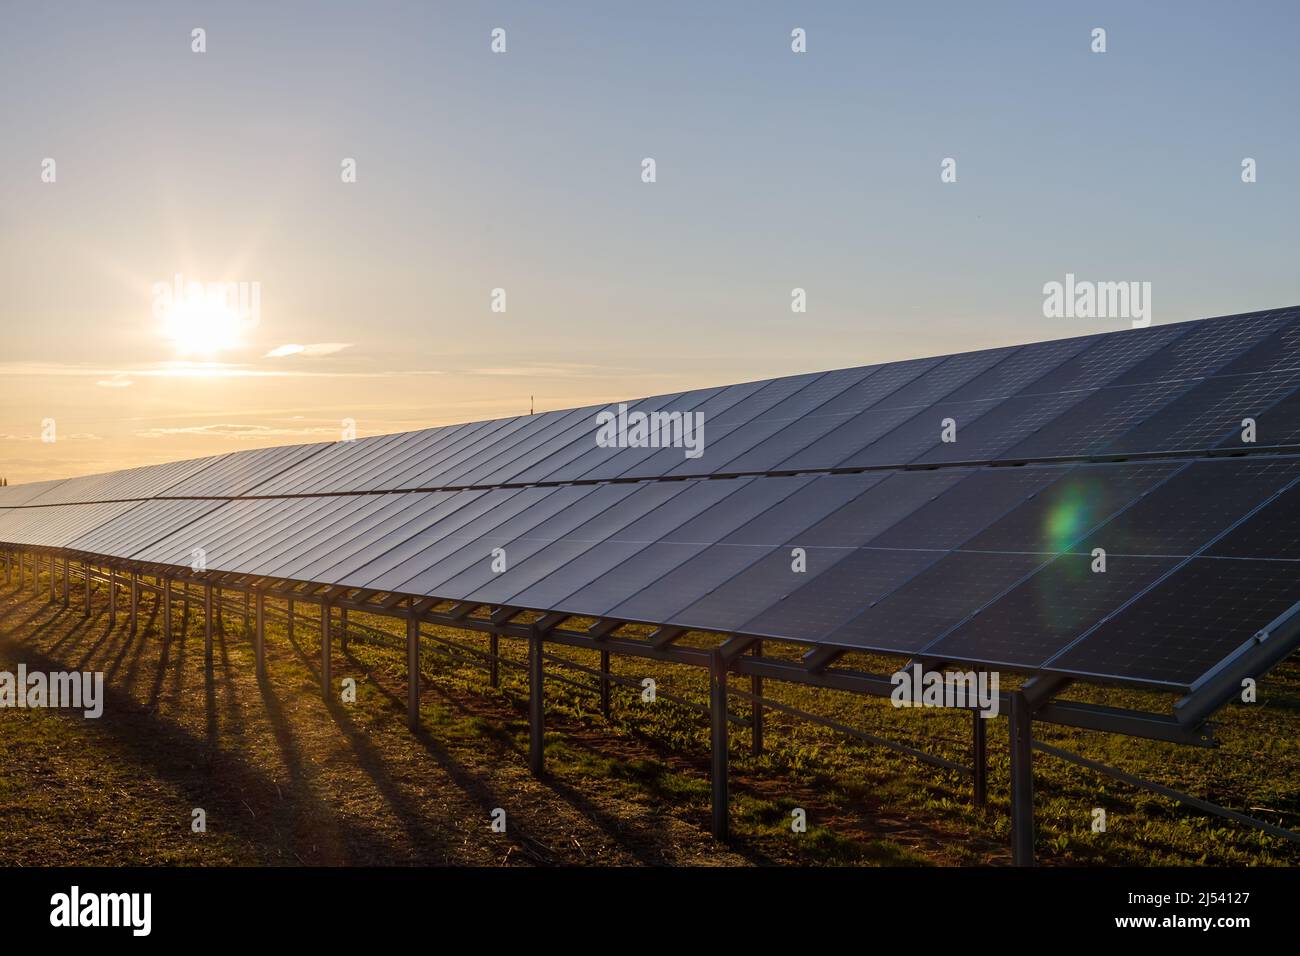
(530, 404)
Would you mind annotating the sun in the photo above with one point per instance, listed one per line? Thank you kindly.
(201, 327)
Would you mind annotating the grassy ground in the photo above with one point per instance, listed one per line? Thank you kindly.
(285, 778)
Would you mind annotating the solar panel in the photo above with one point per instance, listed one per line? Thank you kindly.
(139, 526)
(810, 611)
(988, 435)
(1195, 505)
(733, 452)
(922, 432)
(131, 483)
(1040, 616)
(57, 526)
(933, 601)
(16, 495)
(619, 547)
(239, 473)
(404, 545)
(806, 502)
(848, 426)
(1185, 625)
(1271, 532)
(976, 500)
(418, 575)
(1076, 502)
(825, 541)
(979, 550)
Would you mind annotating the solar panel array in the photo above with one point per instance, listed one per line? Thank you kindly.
(826, 508)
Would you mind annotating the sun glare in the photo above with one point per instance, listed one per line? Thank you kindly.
(201, 328)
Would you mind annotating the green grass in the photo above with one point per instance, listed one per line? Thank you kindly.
(1255, 770)
(280, 777)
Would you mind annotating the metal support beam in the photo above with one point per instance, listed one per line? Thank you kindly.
(536, 704)
(85, 567)
(53, 596)
(207, 623)
(259, 635)
(112, 596)
(604, 683)
(494, 665)
(167, 608)
(326, 677)
(412, 672)
(65, 581)
(343, 628)
(718, 743)
(756, 721)
(980, 759)
(135, 601)
(1021, 727)
(245, 610)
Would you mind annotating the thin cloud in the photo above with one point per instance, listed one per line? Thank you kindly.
(76, 436)
(310, 351)
(233, 430)
(188, 370)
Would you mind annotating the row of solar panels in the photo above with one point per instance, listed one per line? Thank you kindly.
(1184, 387)
(994, 565)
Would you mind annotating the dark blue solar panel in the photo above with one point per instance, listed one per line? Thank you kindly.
(1193, 507)
(981, 497)
(1188, 623)
(1273, 531)
(1047, 611)
(839, 428)
(988, 435)
(810, 610)
(932, 602)
(1065, 511)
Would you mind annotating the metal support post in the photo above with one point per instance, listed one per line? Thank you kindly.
(1022, 781)
(536, 704)
(412, 672)
(718, 743)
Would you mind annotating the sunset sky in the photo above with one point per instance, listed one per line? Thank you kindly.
(478, 170)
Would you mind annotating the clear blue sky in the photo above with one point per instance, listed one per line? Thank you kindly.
(522, 171)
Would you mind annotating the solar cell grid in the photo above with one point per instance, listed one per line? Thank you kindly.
(971, 504)
(586, 456)
(811, 611)
(1186, 624)
(380, 526)
(429, 518)
(1211, 413)
(1042, 615)
(420, 577)
(625, 461)
(623, 544)
(1205, 349)
(404, 546)
(740, 450)
(239, 472)
(577, 440)
(1271, 532)
(1083, 497)
(539, 436)
(428, 452)
(933, 601)
(1194, 506)
(598, 499)
(982, 562)
(558, 557)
